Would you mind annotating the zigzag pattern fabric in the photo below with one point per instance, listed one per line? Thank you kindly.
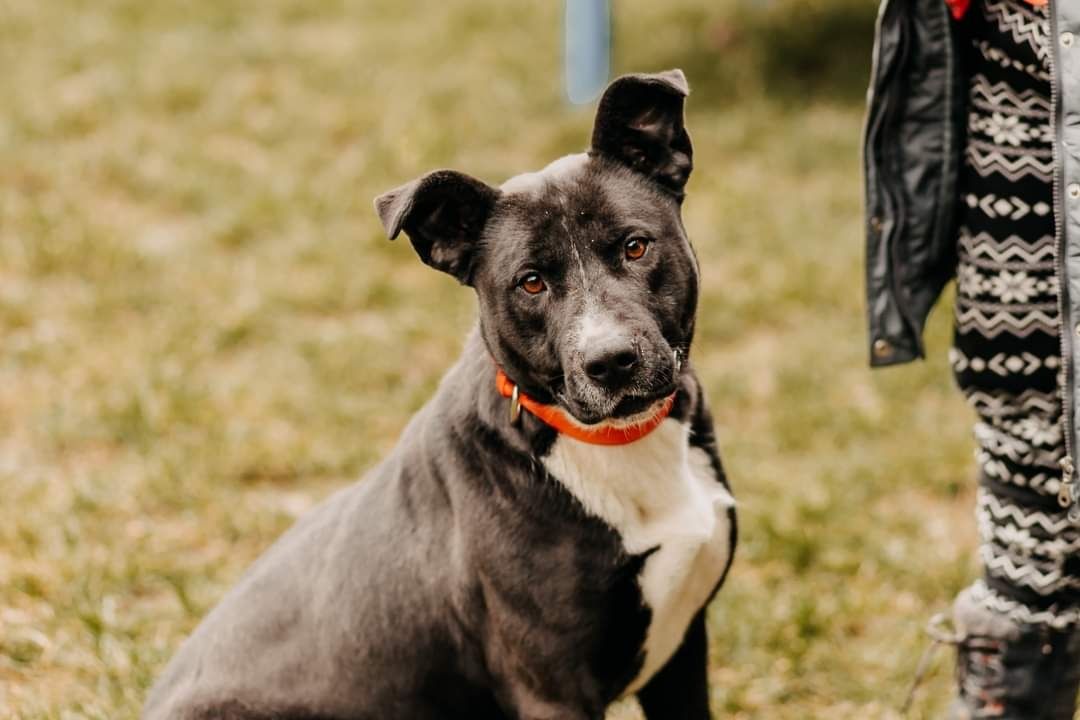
(1006, 353)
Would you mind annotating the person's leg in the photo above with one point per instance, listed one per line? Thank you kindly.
(1011, 670)
(1016, 660)
(1018, 656)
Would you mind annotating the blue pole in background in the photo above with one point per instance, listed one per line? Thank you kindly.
(588, 48)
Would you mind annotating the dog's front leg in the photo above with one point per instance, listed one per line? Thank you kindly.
(563, 714)
(530, 707)
(680, 690)
(559, 713)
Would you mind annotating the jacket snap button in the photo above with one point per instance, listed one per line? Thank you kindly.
(1074, 190)
(1067, 39)
(882, 348)
(875, 224)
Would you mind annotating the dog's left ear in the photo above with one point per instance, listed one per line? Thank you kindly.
(443, 213)
(639, 123)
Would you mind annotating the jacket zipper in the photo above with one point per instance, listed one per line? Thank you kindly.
(1067, 494)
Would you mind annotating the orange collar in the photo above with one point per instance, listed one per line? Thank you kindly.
(561, 421)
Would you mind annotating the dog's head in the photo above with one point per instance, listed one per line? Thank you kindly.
(586, 279)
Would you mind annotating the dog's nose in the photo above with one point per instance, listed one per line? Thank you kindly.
(612, 364)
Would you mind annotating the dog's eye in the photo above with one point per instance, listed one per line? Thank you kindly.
(533, 284)
(635, 248)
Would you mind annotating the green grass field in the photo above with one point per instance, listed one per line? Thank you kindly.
(204, 331)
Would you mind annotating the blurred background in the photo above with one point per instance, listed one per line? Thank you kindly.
(203, 330)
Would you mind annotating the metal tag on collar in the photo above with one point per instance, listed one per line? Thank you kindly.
(515, 406)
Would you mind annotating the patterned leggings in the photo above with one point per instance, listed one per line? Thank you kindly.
(1007, 349)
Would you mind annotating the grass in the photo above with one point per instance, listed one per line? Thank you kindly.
(204, 331)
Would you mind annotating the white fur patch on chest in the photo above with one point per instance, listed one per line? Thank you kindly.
(660, 493)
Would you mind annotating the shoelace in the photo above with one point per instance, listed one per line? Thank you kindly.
(941, 633)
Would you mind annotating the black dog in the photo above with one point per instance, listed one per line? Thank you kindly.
(549, 530)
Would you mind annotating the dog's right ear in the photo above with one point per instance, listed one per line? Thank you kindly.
(443, 213)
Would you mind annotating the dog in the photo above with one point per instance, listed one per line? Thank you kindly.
(546, 535)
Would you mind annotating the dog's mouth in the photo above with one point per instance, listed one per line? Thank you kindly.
(627, 410)
(634, 405)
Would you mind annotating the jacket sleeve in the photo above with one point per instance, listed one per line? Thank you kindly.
(911, 154)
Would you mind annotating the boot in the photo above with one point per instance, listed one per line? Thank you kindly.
(1012, 671)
